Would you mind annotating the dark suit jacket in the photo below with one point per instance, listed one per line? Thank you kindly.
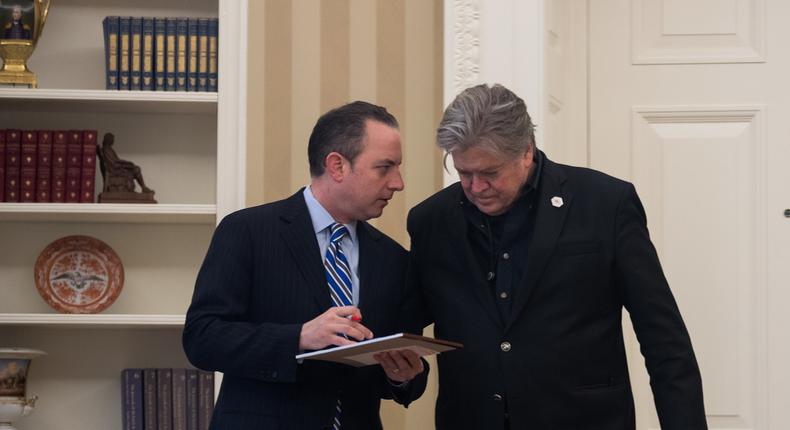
(565, 367)
(263, 278)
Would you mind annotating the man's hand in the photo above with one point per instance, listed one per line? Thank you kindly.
(337, 326)
(400, 366)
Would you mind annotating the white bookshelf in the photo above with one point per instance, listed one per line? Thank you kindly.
(190, 147)
(109, 213)
(99, 101)
(87, 321)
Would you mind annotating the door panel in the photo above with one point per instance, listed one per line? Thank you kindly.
(688, 100)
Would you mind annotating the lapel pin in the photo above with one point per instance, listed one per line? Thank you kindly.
(556, 202)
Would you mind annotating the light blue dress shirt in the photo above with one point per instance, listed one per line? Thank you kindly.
(350, 245)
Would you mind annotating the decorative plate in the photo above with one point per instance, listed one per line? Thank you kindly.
(79, 274)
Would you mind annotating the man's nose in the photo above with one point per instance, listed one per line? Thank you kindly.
(478, 185)
(396, 183)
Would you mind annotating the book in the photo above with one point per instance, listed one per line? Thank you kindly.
(213, 34)
(181, 54)
(2, 165)
(88, 174)
(179, 400)
(44, 167)
(160, 48)
(170, 54)
(110, 26)
(27, 167)
(124, 47)
(361, 353)
(135, 53)
(147, 54)
(205, 398)
(192, 54)
(132, 399)
(13, 152)
(192, 399)
(149, 399)
(73, 166)
(164, 399)
(59, 152)
(202, 55)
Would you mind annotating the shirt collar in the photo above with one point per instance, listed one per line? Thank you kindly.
(320, 216)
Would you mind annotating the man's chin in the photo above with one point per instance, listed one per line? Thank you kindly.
(490, 209)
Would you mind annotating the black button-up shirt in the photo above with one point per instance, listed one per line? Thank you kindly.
(500, 243)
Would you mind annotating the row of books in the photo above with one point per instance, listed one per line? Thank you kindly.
(47, 166)
(161, 54)
(167, 399)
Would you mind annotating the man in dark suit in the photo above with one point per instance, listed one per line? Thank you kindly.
(529, 264)
(300, 274)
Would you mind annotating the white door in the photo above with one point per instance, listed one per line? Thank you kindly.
(689, 99)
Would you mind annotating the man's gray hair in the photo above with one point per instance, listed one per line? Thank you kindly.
(487, 117)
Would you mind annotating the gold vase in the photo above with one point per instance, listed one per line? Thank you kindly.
(21, 24)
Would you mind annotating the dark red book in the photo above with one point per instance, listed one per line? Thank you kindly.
(44, 168)
(73, 166)
(2, 165)
(59, 149)
(13, 152)
(27, 171)
(88, 181)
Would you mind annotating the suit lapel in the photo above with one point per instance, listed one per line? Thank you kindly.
(550, 217)
(370, 263)
(298, 234)
(460, 244)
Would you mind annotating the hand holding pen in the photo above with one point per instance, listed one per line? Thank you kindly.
(337, 326)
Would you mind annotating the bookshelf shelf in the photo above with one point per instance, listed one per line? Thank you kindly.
(104, 101)
(70, 321)
(108, 213)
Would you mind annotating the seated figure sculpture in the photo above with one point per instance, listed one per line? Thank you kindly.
(119, 177)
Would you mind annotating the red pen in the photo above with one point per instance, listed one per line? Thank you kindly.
(356, 318)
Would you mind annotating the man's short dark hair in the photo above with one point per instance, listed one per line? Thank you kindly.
(341, 130)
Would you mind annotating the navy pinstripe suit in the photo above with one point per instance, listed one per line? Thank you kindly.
(262, 278)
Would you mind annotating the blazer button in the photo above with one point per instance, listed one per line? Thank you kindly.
(505, 346)
(497, 397)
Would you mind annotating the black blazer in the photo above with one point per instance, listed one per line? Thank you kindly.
(564, 364)
(262, 278)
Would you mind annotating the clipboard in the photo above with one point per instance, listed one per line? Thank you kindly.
(361, 353)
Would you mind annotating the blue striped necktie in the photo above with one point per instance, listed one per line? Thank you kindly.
(338, 276)
(338, 271)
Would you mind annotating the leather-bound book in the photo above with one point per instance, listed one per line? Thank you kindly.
(60, 140)
(27, 168)
(2, 165)
(73, 166)
(13, 152)
(88, 177)
(44, 167)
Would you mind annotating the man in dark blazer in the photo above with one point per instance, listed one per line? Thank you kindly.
(265, 292)
(529, 264)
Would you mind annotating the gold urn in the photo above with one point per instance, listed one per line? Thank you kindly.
(21, 24)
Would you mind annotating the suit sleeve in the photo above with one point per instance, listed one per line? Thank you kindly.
(217, 334)
(663, 338)
(415, 311)
(409, 317)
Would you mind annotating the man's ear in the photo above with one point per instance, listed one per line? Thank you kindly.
(335, 165)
